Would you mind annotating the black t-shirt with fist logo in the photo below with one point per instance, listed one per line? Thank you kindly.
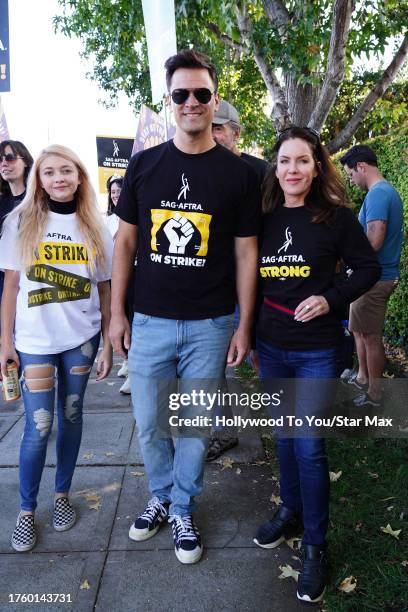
(188, 209)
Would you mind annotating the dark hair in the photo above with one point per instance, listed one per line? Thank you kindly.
(359, 153)
(115, 178)
(327, 192)
(21, 150)
(189, 59)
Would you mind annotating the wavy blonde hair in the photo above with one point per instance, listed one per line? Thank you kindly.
(32, 212)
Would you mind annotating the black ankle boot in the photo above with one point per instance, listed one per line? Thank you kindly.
(313, 575)
(284, 524)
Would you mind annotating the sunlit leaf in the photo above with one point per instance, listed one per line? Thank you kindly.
(288, 572)
(348, 585)
(334, 476)
(392, 532)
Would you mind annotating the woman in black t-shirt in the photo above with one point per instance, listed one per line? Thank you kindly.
(307, 228)
(15, 165)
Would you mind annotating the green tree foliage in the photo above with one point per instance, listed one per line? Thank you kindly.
(283, 47)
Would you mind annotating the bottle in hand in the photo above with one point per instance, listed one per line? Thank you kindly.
(11, 383)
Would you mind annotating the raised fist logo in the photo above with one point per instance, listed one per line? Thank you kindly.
(179, 232)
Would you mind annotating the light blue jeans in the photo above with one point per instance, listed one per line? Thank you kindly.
(71, 369)
(163, 349)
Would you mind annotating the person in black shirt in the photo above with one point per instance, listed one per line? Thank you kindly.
(226, 130)
(191, 210)
(15, 165)
(307, 228)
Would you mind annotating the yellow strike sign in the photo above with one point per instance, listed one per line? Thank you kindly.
(200, 221)
(62, 252)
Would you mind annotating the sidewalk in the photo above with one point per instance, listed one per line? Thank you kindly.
(99, 566)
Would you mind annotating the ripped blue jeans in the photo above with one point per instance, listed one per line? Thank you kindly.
(39, 374)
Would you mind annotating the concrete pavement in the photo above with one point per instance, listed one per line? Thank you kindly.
(98, 567)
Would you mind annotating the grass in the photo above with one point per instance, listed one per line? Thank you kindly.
(371, 493)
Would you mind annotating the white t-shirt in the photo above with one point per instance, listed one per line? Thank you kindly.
(112, 223)
(58, 301)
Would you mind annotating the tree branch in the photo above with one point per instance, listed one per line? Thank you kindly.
(378, 90)
(335, 62)
(277, 13)
(280, 111)
(224, 38)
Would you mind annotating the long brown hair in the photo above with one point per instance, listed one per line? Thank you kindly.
(327, 192)
(32, 213)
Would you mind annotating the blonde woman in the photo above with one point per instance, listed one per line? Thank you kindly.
(56, 253)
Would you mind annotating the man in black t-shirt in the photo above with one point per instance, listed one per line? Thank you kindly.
(190, 209)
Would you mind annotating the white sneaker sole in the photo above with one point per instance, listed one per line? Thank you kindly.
(272, 544)
(139, 536)
(307, 599)
(64, 527)
(188, 557)
(23, 547)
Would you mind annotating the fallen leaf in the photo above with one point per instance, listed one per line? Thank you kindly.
(394, 533)
(390, 508)
(227, 463)
(348, 585)
(373, 475)
(404, 563)
(215, 482)
(293, 543)
(288, 572)
(238, 471)
(387, 498)
(387, 375)
(275, 499)
(88, 456)
(111, 487)
(95, 506)
(93, 497)
(260, 462)
(335, 476)
(85, 585)
(109, 454)
(358, 527)
(137, 473)
(110, 384)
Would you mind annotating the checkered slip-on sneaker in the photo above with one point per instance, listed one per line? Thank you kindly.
(64, 514)
(24, 535)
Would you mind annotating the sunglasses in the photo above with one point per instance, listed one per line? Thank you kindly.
(202, 95)
(9, 157)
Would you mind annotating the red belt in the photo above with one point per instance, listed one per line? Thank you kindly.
(288, 311)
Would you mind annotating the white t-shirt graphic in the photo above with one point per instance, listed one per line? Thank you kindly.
(58, 302)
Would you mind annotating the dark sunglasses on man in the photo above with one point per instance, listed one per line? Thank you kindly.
(9, 157)
(201, 94)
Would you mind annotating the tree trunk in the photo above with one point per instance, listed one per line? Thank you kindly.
(301, 100)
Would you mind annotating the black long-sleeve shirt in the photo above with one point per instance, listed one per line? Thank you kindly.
(298, 259)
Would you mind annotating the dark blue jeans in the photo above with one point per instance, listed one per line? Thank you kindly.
(304, 472)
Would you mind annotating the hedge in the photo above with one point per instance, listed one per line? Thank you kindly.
(392, 153)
